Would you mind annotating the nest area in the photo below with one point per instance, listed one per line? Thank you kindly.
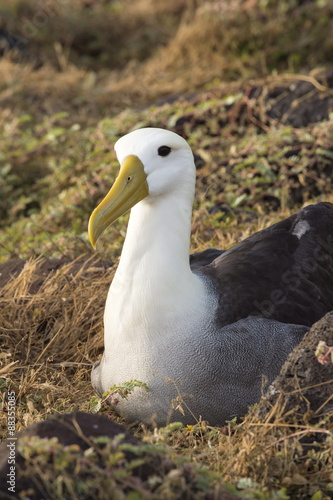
(51, 326)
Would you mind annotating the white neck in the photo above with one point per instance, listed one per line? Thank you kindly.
(154, 286)
(157, 241)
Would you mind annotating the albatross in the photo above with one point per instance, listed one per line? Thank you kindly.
(205, 332)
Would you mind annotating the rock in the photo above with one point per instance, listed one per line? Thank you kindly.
(304, 385)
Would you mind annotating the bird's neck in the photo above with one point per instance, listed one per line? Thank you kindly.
(154, 285)
(157, 242)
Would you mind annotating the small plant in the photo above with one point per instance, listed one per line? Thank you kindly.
(123, 390)
(324, 353)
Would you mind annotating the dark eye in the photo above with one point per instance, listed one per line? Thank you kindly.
(163, 150)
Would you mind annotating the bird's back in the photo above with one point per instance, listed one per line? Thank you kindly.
(284, 272)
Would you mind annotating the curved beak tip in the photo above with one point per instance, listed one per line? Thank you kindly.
(122, 197)
(91, 235)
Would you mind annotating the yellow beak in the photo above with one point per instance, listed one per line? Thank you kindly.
(129, 188)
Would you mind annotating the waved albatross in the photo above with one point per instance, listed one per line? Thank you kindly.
(203, 331)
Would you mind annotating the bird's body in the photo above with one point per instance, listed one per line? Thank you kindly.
(201, 336)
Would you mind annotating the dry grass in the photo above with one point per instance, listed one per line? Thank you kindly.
(50, 337)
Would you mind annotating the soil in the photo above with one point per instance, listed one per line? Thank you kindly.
(296, 101)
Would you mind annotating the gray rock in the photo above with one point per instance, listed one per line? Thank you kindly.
(304, 385)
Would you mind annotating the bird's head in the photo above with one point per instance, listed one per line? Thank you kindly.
(153, 163)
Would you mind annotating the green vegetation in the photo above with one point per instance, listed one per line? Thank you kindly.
(250, 85)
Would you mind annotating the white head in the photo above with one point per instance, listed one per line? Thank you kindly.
(154, 162)
(166, 157)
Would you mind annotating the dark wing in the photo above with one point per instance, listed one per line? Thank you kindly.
(284, 272)
(204, 258)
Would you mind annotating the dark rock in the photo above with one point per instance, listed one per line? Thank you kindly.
(305, 386)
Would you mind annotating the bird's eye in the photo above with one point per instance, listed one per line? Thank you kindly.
(129, 178)
(164, 150)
